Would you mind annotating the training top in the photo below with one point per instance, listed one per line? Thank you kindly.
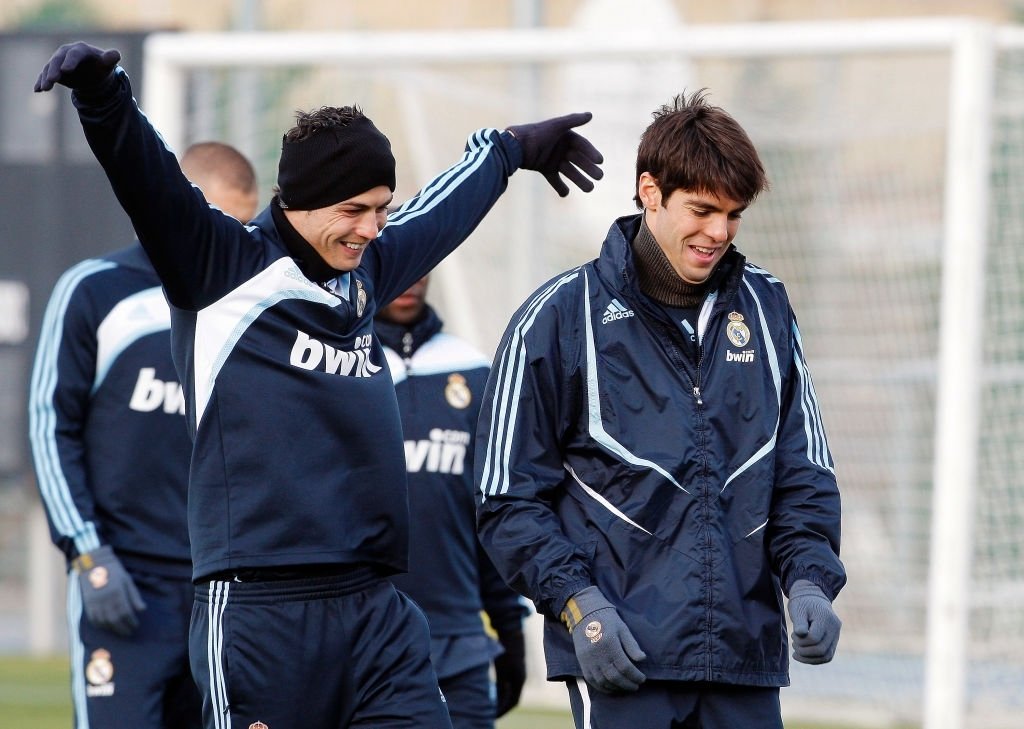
(439, 379)
(297, 456)
(106, 421)
(691, 483)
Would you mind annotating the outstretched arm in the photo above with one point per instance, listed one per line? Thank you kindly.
(198, 252)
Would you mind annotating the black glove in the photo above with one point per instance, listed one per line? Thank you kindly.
(815, 624)
(77, 66)
(109, 596)
(605, 648)
(510, 671)
(551, 147)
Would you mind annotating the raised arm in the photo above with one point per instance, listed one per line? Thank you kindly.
(446, 211)
(198, 252)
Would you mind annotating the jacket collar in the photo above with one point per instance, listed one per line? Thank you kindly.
(616, 262)
(394, 335)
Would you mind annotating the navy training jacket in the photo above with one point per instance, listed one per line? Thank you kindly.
(297, 455)
(106, 421)
(440, 379)
(689, 491)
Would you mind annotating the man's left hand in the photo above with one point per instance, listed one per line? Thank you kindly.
(552, 148)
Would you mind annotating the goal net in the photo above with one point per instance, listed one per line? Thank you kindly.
(896, 157)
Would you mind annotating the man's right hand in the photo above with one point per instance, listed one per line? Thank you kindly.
(109, 595)
(605, 648)
(78, 66)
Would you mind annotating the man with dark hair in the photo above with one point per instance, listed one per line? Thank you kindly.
(111, 453)
(297, 490)
(439, 379)
(652, 462)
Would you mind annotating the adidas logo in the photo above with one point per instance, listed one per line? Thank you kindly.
(615, 311)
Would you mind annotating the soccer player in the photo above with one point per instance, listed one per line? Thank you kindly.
(111, 452)
(651, 457)
(439, 380)
(297, 506)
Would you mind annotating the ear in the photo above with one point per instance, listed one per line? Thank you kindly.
(648, 191)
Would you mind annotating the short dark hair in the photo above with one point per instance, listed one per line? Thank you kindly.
(692, 145)
(308, 123)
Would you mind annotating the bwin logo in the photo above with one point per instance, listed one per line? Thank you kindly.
(614, 311)
(150, 393)
(445, 452)
(308, 353)
(747, 355)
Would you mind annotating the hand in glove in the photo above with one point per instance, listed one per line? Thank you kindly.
(109, 596)
(510, 671)
(551, 147)
(815, 624)
(605, 648)
(77, 66)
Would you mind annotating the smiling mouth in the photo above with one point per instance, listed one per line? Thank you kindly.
(704, 251)
(354, 246)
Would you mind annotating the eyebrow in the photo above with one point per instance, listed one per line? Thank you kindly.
(352, 205)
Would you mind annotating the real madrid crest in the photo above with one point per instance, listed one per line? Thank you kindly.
(360, 298)
(736, 330)
(100, 669)
(457, 393)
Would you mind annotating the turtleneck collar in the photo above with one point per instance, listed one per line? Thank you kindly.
(659, 281)
(407, 338)
(312, 265)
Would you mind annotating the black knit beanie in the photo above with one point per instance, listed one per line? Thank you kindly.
(335, 164)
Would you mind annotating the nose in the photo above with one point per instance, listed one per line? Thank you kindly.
(366, 225)
(717, 228)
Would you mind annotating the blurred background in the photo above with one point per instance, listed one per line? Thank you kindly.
(893, 134)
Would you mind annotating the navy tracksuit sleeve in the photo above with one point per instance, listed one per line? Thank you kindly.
(199, 252)
(504, 608)
(59, 391)
(804, 527)
(518, 463)
(433, 223)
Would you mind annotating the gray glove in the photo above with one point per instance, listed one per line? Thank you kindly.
(551, 147)
(605, 648)
(77, 66)
(109, 596)
(815, 624)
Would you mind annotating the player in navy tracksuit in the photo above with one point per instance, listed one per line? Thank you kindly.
(111, 453)
(297, 489)
(439, 380)
(652, 460)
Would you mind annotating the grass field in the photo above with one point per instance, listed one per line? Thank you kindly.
(34, 695)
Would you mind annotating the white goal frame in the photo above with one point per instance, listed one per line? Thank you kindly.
(971, 45)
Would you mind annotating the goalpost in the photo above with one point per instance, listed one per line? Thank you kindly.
(894, 218)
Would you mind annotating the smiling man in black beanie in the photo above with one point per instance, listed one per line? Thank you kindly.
(297, 490)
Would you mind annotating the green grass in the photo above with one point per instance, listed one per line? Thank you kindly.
(35, 693)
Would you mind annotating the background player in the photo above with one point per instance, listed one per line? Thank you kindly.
(112, 454)
(439, 380)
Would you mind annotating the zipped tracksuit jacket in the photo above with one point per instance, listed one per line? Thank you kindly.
(439, 379)
(111, 452)
(106, 416)
(297, 455)
(691, 488)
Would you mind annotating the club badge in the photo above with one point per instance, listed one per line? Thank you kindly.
(258, 725)
(593, 631)
(98, 577)
(360, 298)
(736, 330)
(457, 393)
(100, 669)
